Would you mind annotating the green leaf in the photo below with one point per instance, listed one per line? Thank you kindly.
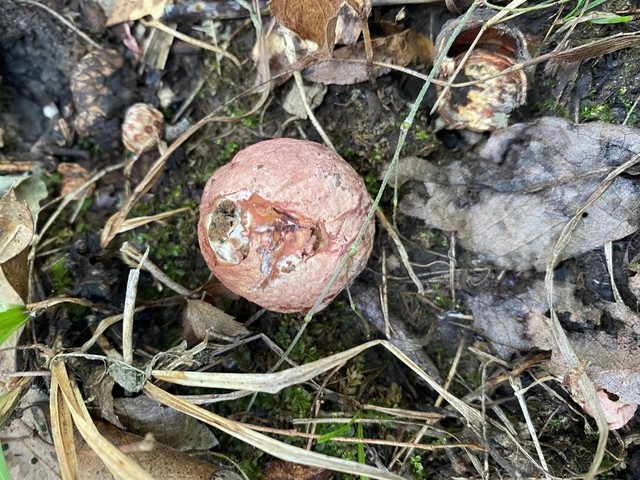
(4, 471)
(361, 456)
(12, 317)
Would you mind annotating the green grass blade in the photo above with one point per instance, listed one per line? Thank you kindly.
(612, 19)
(341, 430)
(4, 471)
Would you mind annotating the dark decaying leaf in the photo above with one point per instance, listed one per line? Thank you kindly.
(170, 427)
(501, 318)
(509, 201)
(281, 470)
(611, 361)
(520, 322)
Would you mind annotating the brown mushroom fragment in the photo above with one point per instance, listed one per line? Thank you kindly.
(483, 105)
(276, 221)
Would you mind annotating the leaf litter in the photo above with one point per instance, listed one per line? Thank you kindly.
(486, 185)
(510, 199)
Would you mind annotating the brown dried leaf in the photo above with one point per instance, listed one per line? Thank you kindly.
(73, 176)
(16, 226)
(322, 22)
(281, 470)
(16, 232)
(400, 49)
(130, 10)
(160, 461)
(509, 202)
(314, 21)
(203, 319)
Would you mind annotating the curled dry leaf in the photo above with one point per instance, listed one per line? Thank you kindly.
(277, 220)
(322, 23)
(201, 319)
(16, 232)
(510, 200)
(16, 226)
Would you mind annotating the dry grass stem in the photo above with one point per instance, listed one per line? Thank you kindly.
(273, 447)
(402, 252)
(129, 310)
(117, 462)
(131, 252)
(187, 39)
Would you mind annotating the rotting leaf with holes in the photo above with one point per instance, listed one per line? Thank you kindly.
(510, 199)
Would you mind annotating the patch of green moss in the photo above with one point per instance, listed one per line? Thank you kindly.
(59, 276)
(551, 106)
(600, 113)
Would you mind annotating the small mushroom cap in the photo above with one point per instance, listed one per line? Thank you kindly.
(276, 221)
(142, 128)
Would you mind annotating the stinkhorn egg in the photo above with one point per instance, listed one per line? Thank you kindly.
(276, 221)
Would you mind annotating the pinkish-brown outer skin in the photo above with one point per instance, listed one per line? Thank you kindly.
(304, 179)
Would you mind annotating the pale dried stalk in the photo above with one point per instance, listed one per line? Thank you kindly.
(62, 432)
(120, 465)
(129, 307)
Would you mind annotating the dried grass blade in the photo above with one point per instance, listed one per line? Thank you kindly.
(267, 444)
(62, 433)
(260, 382)
(132, 223)
(274, 382)
(120, 465)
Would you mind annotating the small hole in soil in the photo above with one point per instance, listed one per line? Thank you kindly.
(585, 214)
